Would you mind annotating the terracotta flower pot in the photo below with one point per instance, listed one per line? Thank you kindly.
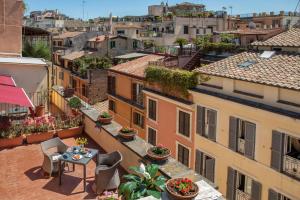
(105, 120)
(70, 132)
(40, 111)
(176, 195)
(157, 157)
(39, 137)
(129, 136)
(13, 142)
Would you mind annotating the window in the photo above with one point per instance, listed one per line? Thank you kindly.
(285, 155)
(138, 119)
(273, 195)
(74, 84)
(205, 165)
(197, 31)
(242, 137)
(183, 155)
(137, 93)
(112, 105)
(152, 108)
(137, 32)
(240, 186)
(185, 29)
(111, 85)
(152, 136)
(183, 123)
(206, 122)
(112, 44)
(120, 32)
(61, 75)
(84, 90)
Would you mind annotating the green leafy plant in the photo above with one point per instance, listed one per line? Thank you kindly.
(13, 131)
(160, 150)
(181, 42)
(173, 79)
(127, 130)
(74, 103)
(37, 50)
(143, 182)
(105, 115)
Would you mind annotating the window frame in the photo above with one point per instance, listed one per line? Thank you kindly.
(141, 115)
(114, 105)
(186, 147)
(147, 134)
(177, 123)
(185, 31)
(156, 111)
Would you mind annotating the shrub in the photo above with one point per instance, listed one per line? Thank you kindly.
(75, 103)
(178, 80)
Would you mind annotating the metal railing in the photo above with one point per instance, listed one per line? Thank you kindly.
(240, 195)
(292, 166)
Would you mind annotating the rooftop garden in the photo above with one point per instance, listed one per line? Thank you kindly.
(174, 80)
(82, 65)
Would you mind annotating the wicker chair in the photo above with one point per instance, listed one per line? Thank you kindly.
(51, 149)
(106, 173)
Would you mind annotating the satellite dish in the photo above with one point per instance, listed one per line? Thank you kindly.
(252, 25)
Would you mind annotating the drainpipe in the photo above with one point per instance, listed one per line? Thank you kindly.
(48, 79)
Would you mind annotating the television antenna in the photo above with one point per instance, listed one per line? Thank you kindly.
(83, 6)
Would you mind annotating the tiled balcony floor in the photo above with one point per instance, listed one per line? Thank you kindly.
(21, 176)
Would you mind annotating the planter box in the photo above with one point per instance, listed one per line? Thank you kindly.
(128, 136)
(71, 132)
(156, 157)
(105, 120)
(39, 137)
(7, 143)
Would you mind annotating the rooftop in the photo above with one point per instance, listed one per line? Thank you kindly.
(22, 177)
(249, 31)
(131, 55)
(290, 38)
(136, 67)
(67, 35)
(74, 55)
(280, 70)
(22, 60)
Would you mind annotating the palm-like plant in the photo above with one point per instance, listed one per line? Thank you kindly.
(181, 42)
(37, 50)
(144, 182)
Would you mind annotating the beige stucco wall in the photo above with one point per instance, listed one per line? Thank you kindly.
(259, 169)
(32, 78)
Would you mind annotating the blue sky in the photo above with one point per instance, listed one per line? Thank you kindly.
(95, 8)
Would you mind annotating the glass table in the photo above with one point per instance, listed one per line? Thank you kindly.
(67, 157)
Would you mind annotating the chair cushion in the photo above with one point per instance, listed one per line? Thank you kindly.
(55, 156)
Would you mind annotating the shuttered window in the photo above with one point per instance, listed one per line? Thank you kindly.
(111, 85)
(137, 93)
(184, 123)
(112, 105)
(183, 155)
(138, 119)
(205, 165)
(206, 123)
(277, 150)
(61, 76)
(231, 184)
(152, 136)
(84, 91)
(273, 195)
(242, 137)
(152, 109)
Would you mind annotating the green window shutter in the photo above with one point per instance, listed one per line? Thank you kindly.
(212, 124)
(233, 133)
(277, 150)
(250, 129)
(231, 184)
(256, 190)
(273, 195)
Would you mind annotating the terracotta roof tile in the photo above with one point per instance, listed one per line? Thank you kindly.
(67, 35)
(290, 38)
(281, 70)
(136, 67)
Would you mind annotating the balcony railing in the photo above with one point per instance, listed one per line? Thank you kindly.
(241, 145)
(292, 166)
(240, 195)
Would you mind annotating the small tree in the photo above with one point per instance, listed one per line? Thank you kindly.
(181, 42)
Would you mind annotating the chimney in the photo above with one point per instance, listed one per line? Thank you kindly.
(254, 14)
(110, 23)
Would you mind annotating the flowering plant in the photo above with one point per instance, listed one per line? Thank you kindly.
(183, 186)
(39, 124)
(81, 141)
(105, 115)
(127, 130)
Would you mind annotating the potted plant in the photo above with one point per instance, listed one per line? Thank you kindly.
(75, 104)
(105, 118)
(109, 195)
(144, 181)
(11, 136)
(127, 133)
(68, 128)
(81, 142)
(158, 152)
(39, 129)
(182, 188)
